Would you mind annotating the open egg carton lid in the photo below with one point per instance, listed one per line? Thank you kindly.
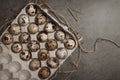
(34, 45)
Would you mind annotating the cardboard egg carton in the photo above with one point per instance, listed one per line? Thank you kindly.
(47, 32)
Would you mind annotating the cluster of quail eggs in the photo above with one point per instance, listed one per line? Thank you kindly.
(35, 33)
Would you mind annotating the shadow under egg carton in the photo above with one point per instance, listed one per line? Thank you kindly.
(42, 31)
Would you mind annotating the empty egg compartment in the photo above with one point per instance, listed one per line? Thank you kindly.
(37, 43)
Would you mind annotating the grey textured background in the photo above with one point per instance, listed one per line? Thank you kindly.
(98, 18)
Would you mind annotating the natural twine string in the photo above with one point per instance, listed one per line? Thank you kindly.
(81, 49)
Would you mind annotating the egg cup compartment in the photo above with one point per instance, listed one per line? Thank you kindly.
(41, 42)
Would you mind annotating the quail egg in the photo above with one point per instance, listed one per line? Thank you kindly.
(24, 37)
(40, 19)
(23, 20)
(7, 38)
(31, 10)
(42, 37)
(43, 54)
(34, 64)
(33, 46)
(16, 47)
(51, 44)
(14, 29)
(33, 28)
(61, 53)
(50, 27)
(53, 62)
(25, 55)
(44, 73)
(70, 44)
(59, 35)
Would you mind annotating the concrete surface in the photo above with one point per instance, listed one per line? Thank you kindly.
(98, 19)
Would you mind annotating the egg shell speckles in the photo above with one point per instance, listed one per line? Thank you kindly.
(14, 29)
(7, 38)
(23, 20)
(31, 10)
(44, 73)
(34, 64)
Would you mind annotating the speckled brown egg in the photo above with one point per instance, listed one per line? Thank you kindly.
(53, 62)
(70, 44)
(24, 37)
(61, 53)
(34, 64)
(51, 44)
(25, 55)
(40, 19)
(59, 35)
(50, 27)
(33, 28)
(42, 36)
(14, 29)
(31, 10)
(33, 46)
(43, 54)
(7, 38)
(44, 73)
(23, 20)
(16, 47)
